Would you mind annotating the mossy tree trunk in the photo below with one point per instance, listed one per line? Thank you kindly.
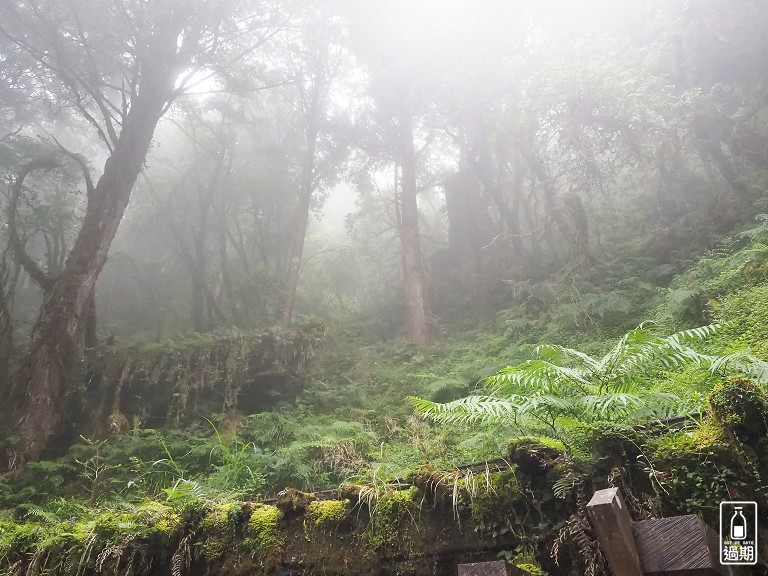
(419, 315)
(9, 275)
(291, 281)
(58, 337)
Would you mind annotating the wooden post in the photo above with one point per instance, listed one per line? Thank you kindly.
(613, 525)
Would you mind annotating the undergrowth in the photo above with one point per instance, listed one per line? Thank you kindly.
(351, 424)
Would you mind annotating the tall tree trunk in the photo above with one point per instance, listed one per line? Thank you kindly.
(419, 320)
(306, 188)
(459, 190)
(199, 295)
(6, 339)
(517, 192)
(291, 281)
(710, 136)
(198, 266)
(9, 278)
(468, 222)
(198, 260)
(58, 337)
(236, 315)
(90, 338)
(198, 256)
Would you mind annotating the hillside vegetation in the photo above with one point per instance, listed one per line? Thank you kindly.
(572, 416)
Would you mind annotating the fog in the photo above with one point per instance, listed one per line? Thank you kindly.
(565, 129)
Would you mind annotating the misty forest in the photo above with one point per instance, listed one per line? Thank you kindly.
(376, 287)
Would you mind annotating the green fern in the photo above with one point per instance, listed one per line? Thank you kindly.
(563, 387)
(184, 492)
(759, 231)
(37, 512)
(469, 410)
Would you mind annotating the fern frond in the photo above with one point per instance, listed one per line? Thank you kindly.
(756, 248)
(620, 403)
(182, 558)
(531, 404)
(552, 352)
(759, 230)
(33, 510)
(185, 491)
(533, 375)
(639, 350)
(562, 386)
(743, 362)
(472, 409)
(612, 403)
(630, 352)
(695, 334)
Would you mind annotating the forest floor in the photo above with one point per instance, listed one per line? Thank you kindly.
(350, 424)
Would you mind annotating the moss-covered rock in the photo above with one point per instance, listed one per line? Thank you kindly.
(326, 513)
(219, 526)
(699, 466)
(705, 439)
(389, 511)
(263, 533)
(164, 520)
(292, 500)
(741, 405)
(534, 456)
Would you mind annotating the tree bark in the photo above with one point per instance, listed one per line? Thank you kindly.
(419, 316)
(467, 225)
(306, 188)
(9, 275)
(58, 337)
(710, 137)
(198, 256)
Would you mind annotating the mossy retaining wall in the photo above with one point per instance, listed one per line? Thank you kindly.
(168, 383)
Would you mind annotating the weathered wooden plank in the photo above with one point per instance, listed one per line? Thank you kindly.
(677, 546)
(613, 525)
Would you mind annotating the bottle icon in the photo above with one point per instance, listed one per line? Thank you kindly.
(738, 524)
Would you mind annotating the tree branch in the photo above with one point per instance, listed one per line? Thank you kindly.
(17, 246)
(98, 97)
(80, 161)
(11, 134)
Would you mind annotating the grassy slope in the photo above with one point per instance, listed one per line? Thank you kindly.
(352, 423)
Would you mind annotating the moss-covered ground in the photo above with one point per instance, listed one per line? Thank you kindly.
(526, 507)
